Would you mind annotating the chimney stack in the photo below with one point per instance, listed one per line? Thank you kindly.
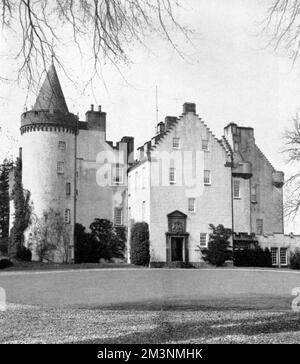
(189, 107)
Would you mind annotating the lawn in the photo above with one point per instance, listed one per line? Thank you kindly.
(150, 306)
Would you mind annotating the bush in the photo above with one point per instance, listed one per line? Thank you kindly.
(104, 242)
(86, 247)
(5, 263)
(252, 257)
(218, 250)
(295, 259)
(4, 246)
(139, 244)
(24, 254)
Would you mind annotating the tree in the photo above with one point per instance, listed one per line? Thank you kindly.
(85, 248)
(139, 244)
(283, 25)
(110, 240)
(218, 250)
(5, 169)
(292, 185)
(295, 259)
(22, 211)
(49, 237)
(103, 29)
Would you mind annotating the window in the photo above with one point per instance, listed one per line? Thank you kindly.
(60, 167)
(67, 216)
(236, 147)
(283, 256)
(172, 176)
(176, 143)
(143, 210)
(259, 226)
(236, 188)
(68, 188)
(207, 177)
(129, 185)
(135, 181)
(118, 174)
(203, 240)
(274, 256)
(204, 144)
(118, 218)
(191, 205)
(62, 145)
(254, 194)
(143, 177)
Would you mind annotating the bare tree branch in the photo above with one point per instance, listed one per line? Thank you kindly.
(282, 24)
(106, 27)
(292, 185)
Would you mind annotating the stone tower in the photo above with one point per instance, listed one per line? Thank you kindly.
(48, 138)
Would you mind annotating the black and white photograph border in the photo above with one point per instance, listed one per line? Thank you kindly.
(149, 174)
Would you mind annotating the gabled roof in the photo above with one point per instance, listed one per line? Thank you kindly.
(51, 95)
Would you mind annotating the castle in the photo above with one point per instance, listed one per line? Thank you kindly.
(184, 179)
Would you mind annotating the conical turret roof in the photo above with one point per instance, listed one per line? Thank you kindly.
(51, 95)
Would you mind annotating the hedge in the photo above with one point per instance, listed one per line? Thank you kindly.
(252, 258)
(139, 244)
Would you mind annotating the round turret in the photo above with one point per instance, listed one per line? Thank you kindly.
(48, 153)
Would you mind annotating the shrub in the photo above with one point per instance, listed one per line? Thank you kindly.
(139, 244)
(105, 241)
(24, 254)
(252, 257)
(4, 246)
(295, 259)
(218, 250)
(5, 263)
(86, 247)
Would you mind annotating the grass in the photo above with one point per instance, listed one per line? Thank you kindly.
(37, 266)
(150, 306)
(185, 323)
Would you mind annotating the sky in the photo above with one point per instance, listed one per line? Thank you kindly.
(228, 72)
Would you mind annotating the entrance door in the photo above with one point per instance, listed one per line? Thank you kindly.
(176, 249)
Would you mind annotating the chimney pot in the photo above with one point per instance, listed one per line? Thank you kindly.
(99, 108)
(92, 107)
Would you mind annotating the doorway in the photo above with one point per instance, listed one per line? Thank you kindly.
(176, 249)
